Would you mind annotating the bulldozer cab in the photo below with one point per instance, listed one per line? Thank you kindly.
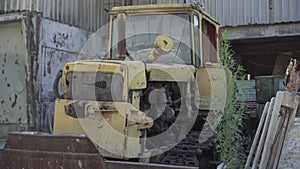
(173, 33)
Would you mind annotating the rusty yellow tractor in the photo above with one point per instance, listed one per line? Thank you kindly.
(147, 98)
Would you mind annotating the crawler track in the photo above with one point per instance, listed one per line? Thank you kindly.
(189, 152)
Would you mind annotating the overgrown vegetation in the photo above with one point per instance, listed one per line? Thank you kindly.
(230, 140)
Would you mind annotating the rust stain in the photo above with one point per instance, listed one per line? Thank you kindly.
(32, 41)
(15, 101)
(59, 39)
(49, 67)
(107, 116)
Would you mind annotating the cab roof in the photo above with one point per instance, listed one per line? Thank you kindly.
(151, 6)
(158, 8)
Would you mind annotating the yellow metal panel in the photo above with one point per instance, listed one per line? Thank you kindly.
(169, 8)
(64, 123)
(177, 73)
(136, 74)
(114, 128)
(151, 7)
(135, 70)
(212, 87)
(92, 66)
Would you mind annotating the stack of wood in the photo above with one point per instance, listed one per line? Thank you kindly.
(277, 118)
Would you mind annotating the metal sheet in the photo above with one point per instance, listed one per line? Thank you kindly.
(60, 43)
(52, 60)
(61, 36)
(60, 10)
(44, 151)
(26, 82)
(245, 12)
(90, 14)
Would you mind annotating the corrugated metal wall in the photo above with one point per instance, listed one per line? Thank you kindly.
(245, 12)
(91, 15)
(144, 2)
(87, 14)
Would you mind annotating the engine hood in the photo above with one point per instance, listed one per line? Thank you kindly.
(133, 71)
(170, 72)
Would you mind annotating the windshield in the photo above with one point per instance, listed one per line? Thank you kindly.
(142, 30)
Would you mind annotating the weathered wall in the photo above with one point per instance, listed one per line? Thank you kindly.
(13, 60)
(32, 50)
(19, 51)
(59, 43)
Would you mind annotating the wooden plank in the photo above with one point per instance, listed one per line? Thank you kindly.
(271, 131)
(288, 100)
(288, 128)
(276, 122)
(278, 148)
(257, 135)
(278, 134)
(263, 135)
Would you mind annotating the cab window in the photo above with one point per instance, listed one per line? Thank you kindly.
(209, 42)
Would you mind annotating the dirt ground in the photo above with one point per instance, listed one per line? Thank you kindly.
(290, 158)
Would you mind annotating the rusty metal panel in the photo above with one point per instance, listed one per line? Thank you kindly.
(44, 151)
(35, 141)
(13, 60)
